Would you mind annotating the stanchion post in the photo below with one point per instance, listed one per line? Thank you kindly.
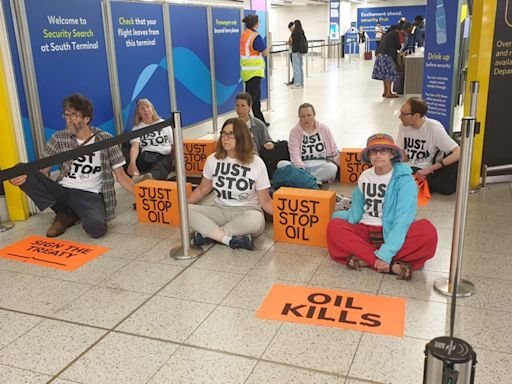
(288, 67)
(339, 53)
(186, 250)
(307, 64)
(324, 50)
(464, 288)
(5, 226)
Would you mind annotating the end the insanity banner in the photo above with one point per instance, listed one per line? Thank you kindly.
(441, 59)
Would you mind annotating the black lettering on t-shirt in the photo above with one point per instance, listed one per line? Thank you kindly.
(310, 143)
(415, 148)
(232, 179)
(373, 198)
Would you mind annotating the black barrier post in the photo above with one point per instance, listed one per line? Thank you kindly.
(186, 250)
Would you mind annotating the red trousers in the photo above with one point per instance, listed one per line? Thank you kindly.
(345, 239)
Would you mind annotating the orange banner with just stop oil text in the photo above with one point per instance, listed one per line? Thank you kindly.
(330, 308)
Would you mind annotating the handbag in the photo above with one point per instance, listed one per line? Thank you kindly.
(150, 157)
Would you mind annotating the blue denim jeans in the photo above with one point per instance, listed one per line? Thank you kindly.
(87, 206)
(298, 69)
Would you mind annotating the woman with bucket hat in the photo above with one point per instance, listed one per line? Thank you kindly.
(379, 231)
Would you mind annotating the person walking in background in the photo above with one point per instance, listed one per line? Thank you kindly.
(252, 50)
(361, 39)
(379, 32)
(385, 63)
(299, 48)
(290, 28)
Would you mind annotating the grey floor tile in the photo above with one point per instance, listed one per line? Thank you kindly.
(167, 318)
(142, 277)
(273, 373)
(49, 347)
(101, 307)
(201, 285)
(12, 282)
(294, 249)
(160, 231)
(306, 346)
(160, 254)
(44, 296)
(21, 376)
(487, 242)
(251, 291)
(489, 293)
(27, 268)
(493, 367)
(336, 275)
(287, 266)
(484, 264)
(426, 319)
(235, 330)
(224, 259)
(121, 359)
(440, 262)
(93, 272)
(392, 360)
(419, 288)
(195, 366)
(13, 325)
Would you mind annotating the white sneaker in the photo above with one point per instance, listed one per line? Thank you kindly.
(342, 203)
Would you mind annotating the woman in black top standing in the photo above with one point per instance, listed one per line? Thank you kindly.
(299, 47)
(385, 63)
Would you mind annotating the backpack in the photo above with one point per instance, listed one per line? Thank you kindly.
(303, 44)
(291, 176)
(273, 156)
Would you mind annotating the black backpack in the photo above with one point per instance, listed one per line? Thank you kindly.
(303, 44)
(273, 156)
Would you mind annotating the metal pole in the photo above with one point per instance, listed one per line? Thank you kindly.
(288, 67)
(464, 288)
(213, 76)
(323, 57)
(5, 226)
(339, 53)
(186, 250)
(307, 65)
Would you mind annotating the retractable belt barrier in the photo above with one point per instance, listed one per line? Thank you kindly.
(33, 166)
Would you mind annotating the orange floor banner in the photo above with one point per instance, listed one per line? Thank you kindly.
(58, 254)
(330, 308)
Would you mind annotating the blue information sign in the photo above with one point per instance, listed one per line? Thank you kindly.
(226, 42)
(441, 59)
(68, 47)
(334, 19)
(141, 60)
(191, 60)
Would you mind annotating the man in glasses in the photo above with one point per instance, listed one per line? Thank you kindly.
(430, 151)
(84, 189)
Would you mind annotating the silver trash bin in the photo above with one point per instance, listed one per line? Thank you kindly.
(449, 360)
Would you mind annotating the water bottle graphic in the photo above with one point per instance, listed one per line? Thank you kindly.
(508, 13)
(441, 36)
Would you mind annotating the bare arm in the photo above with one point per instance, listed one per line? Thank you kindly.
(201, 191)
(125, 181)
(134, 152)
(265, 200)
(448, 160)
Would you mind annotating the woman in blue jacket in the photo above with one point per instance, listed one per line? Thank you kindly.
(379, 230)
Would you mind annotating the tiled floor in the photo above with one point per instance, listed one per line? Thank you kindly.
(135, 315)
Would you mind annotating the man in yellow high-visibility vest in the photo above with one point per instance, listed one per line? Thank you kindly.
(252, 50)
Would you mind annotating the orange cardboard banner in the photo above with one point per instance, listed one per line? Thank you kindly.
(351, 165)
(196, 152)
(340, 309)
(58, 254)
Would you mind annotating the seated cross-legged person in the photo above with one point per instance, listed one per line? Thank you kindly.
(379, 230)
(152, 153)
(240, 181)
(312, 146)
(258, 128)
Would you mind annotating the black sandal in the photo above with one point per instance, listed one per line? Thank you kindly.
(353, 263)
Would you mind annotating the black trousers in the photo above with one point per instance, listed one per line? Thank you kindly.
(253, 87)
(159, 169)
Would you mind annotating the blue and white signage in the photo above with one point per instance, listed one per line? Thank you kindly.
(441, 59)
(68, 47)
(141, 59)
(226, 43)
(334, 19)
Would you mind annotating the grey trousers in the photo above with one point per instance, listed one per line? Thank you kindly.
(235, 221)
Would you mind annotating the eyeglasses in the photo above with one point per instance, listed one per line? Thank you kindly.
(406, 114)
(227, 135)
(69, 115)
(382, 151)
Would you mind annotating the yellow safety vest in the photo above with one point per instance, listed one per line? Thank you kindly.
(251, 61)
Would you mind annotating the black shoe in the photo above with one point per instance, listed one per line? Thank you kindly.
(201, 240)
(243, 242)
(267, 124)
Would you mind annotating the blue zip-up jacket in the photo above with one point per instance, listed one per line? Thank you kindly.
(399, 210)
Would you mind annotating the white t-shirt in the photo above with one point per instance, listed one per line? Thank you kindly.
(235, 183)
(313, 147)
(85, 172)
(373, 187)
(421, 144)
(157, 141)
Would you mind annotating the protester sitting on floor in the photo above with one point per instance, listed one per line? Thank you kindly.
(150, 154)
(240, 181)
(379, 231)
(312, 146)
(84, 189)
(258, 128)
(422, 138)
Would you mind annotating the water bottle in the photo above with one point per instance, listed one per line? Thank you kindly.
(441, 36)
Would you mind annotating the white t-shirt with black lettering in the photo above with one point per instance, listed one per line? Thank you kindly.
(157, 141)
(313, 147)
(85, 172)
(234, 183)
(373, 187)
(421, 144)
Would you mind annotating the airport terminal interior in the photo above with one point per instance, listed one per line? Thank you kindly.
(135, 315)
